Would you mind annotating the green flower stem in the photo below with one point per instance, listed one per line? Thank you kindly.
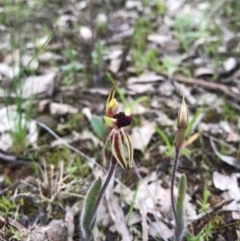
(174, 168)
(110, 173)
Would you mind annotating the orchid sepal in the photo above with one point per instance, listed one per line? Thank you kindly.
(110, 121)
(128, 142)
(112, 103)
(118, 150)
(120, 139)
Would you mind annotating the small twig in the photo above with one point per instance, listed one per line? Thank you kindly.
(11, 187)
(6, 157)
(91, 160)
(71, 194)
(206, 84)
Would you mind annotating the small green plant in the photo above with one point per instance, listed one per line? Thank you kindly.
(79, 168)
(191, 122)
(203, 203)
(98, 53)
(132, 203)
(170, 147)
(170, 66)
(19, 117)
(161, 6)
(120, 141)
(229, 113)
(149, 60)
(16, 234)
(206, 232)
(174, 65)
(19, 121)
(142, 29)
(6, 206)
(187, 30)
(71, 67)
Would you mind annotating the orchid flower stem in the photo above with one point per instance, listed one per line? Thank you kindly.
(174, 168)
(110, 173)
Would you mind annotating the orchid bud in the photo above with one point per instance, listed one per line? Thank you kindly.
(182, 123)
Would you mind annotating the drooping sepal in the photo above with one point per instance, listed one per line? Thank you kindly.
(118, 150)
(128, 142)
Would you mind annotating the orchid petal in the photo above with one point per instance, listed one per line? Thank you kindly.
(128, 142)
(110, 121)
(111, 94)
(118, 151)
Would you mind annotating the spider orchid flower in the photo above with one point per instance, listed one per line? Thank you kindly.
(121, 142)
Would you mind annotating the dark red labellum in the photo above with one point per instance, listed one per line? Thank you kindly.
(122, 119)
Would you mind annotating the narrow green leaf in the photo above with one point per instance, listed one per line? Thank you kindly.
(89, 204)
(192, 121)
(165, 138)
(99, 127)
(180, 208)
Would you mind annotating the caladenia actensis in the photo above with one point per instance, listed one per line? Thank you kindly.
(178, 205)
(120, 144)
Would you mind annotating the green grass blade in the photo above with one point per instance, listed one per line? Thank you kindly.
(191, 122)
(165, 138)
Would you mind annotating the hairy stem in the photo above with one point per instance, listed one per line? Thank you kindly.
(110, 173)
(174, 168)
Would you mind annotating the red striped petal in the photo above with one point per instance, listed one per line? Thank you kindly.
(128, 142)
(118, 151)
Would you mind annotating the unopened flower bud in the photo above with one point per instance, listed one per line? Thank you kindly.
(182, 123)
